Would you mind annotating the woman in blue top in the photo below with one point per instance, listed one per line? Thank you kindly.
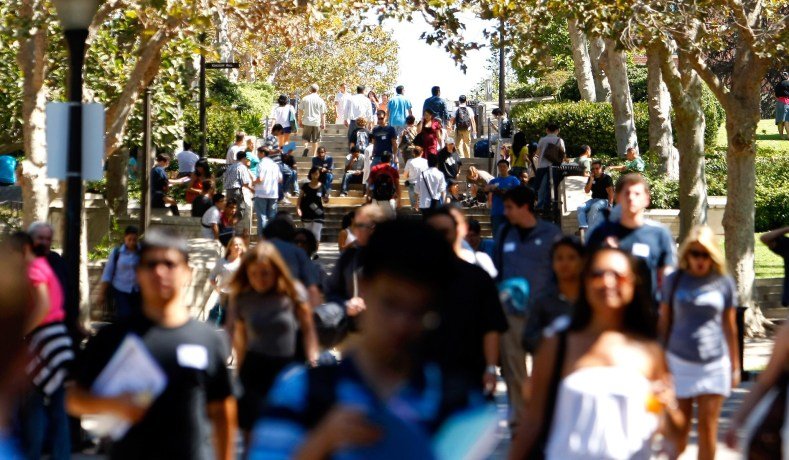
(697, 321)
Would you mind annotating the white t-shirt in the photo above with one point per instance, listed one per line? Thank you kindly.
(339, 99)
(414, 167)
(368, 162)
(436, 183)
(358, 106)
(269, 172)
(223, 272)
(186, 161)
(281, 114)
(312, 108)
(231, 153)
(211, 217)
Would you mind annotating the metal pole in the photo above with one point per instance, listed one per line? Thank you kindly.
(502, 53)
(203, 148)
(490, 155)
(741, 341)
(145, 174)
(75, 40)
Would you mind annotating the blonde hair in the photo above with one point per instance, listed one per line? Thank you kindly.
(703, 235)
(265, 252)
(371, 211)
(472, 172)
(361, 122)
(231, 241)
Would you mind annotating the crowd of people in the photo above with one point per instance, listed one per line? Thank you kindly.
(606, 340)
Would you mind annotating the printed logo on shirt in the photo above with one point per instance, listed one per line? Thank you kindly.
(640, 250)
(193, 356)
(509, 247)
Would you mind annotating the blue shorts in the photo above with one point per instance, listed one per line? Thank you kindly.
(287, 130)
(781, 112)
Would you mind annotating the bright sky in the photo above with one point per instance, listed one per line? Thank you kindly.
(423, 66)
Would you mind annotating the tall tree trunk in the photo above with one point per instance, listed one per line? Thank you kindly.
(32, 61)
(117, 182)
(224, 44)
(597, 58)
(621, 102)
(582, 62)
(661, 139)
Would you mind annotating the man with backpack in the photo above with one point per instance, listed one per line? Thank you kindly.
(119, 279)
(384, 182)
(465, 127)
(550, 152)
(383, 400)
(431, 186)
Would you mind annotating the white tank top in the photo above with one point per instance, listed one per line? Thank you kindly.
(601, 413)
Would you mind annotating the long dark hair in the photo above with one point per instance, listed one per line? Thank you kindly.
(639, 318)
(518, 143)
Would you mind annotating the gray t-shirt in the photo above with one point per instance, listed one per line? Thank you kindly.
(697, 324)
(270, 323)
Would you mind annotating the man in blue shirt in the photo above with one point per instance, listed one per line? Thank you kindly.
(160, 184)
(497, 187)
(437, 105)
(7, 170)
(380, 401)
(384, 139)
(326, 163)
(398, 109)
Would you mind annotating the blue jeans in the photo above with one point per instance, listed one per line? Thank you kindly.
(265, 210)
(375, 161)
(45, 419)
(543, 187)
(288, 177)
(327, 179)
(589, 212)
(412, 196)
(127, 305)
(347, 179)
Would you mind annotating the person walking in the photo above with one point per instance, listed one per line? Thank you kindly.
(407, 139)
(312, 118)
(200, 174)
(238, 182)
(431, 186)
(339, 103)
(413, 170)
(497, 188)
(465, 125)
(553, 141)
(119, 279)
(397, 110)
(360, 137)
(356, 107)
(284, 115)
(384, 139)
(211, 221)
(449, 161)
(778, 242)
(698, 326)
(374, 101)
(602, 188)
(267, 311)
(186, 160)
(160, 185)
(325, 164)
(194, 416)
(601, 389)
(309, 205)
(567, 258)
(221, 275)
(437, 106)
(431, 133)
(522, 258)
(384, 185)
(354, 170)
(268, 179)
(238, 145)
(782, 106)
(204, 201)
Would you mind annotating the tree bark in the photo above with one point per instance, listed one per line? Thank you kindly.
(32, 62)
(621, 102)
(597, 58)
(661, 138)
(582, 62)
(117, 182)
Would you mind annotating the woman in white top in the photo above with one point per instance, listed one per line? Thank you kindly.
(698, 326)
(222, 273)
(283, 114)
(600, 388)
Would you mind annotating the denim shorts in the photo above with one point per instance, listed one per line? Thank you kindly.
(781, 112)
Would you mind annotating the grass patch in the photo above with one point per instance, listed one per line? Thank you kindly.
(766, 136)
(766, 263)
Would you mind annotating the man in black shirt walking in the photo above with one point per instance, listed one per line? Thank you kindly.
(195, 415)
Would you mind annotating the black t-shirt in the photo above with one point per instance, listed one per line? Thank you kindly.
(383, 136)
(311, 205)
(193, 358)
(472, 309)
(600, 185)
(200, 205)
(782, 89)
(449, 163)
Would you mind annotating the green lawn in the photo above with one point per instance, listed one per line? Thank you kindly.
(767, 264)
(766, 136)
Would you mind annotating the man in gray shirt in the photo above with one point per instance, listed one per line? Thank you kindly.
(543, 165)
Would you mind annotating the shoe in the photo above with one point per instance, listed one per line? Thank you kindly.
(285, 200)
(343, 194)
(326, 199)
(305, 153)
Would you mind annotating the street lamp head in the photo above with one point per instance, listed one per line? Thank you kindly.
(76, 14)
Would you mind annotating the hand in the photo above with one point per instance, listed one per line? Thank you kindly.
(736, 377)
(355, 306)
(130, 407)
(298, 212)
(346, 123)
(344, 426)
(488, 383)
(731, 438)
(323, 126)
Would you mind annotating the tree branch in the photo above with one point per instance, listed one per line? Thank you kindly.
(742, 21)
(698, 64)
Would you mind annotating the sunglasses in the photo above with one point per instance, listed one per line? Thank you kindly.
(600, 273)
(152, 264)
(699, 254)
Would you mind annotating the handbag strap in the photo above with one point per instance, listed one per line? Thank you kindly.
(427, 185)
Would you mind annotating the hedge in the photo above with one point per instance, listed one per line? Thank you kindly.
(581, 123)
(221, 127)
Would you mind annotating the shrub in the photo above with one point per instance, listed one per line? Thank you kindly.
(637, 76)
(527, 90)
(221, 126)
(581, 123)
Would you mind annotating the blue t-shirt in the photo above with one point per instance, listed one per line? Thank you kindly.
(398, 110)
(159, 181)
(503, 183)
(383, 135)
(651, 244)
(7, 170)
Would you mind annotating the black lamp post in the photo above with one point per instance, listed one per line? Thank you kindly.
(75, 17)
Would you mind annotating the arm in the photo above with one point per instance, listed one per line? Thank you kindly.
(588, 186)
(40, 306)
(394, 144)
(298, 203)
(490, 347)
(80, 401)
(770, 237)
(215, 229)
(730, 333)
(610, 192)
(310, 337)
(223, 421)
(663, 322)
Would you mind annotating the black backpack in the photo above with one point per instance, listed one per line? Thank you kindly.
(383, 187)
(462, 118)
(506, 129)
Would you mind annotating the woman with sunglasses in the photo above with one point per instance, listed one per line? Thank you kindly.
(599, 389)
(697, 323)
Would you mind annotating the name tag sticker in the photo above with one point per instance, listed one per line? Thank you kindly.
(640, 250)
(194, 356)
(509, 247)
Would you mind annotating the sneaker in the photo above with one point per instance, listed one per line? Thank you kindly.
(343, 194)
(326, 199)
(285, 200)
(305, 153)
